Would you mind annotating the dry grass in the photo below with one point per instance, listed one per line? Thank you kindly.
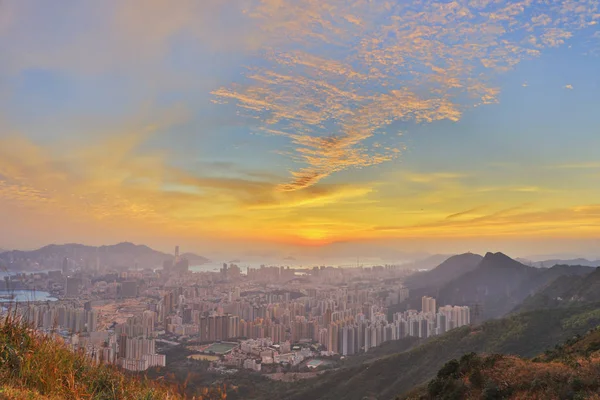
(510, 377)
(36, 366)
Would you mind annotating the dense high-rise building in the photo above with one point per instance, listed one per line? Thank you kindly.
(72, 287)
(92, 321)
(148, 322)
(441, 324)
(122, 345)
(181, 266)
(327, 318)
(129, 289)
(224, 271)
(65, 267)
(428, 305)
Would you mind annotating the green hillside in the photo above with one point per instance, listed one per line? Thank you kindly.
(565, 291)
(526, 334)
(569, 371)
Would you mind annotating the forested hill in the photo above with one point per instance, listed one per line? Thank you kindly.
(527, 334)
(568, 371)
(565, 291)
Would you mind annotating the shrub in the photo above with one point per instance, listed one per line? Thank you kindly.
(435, 387)
(577, 384)
(469, 362)
(449, 370)
(491, 360)
(491, 391)
(476, 379)
(537, 384)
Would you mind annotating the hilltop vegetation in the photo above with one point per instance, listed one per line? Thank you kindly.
(37, 366)
(568, 371)
(566, 291)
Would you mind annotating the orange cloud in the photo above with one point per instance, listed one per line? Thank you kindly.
(363, 65)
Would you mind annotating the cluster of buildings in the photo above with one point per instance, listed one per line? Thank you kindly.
(179, 264)
(426, 324)
(51, 316)
(131, 344)
(342, 320)
(253, 354)
(276, 314)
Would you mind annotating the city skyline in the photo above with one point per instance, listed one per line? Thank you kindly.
(316, 127)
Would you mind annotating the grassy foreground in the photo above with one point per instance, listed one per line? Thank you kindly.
(37, 366)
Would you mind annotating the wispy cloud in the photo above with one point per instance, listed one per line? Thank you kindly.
(433, 177)
(518, 221)
(359, 66)
(518, 189)
(113, 182)
(570, 87)
(580, 165)
(464, 213)
(329, 78)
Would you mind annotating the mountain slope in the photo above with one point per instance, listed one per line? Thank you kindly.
(496, 279)
(499, 284)
(565, 291)
(121, 254)
(526, 334)
(569, 371)
(445, 272)
(427, 263)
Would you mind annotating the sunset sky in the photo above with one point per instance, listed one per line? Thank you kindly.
(295, 125)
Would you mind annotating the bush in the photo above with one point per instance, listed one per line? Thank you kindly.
(435, 387)
(490, 361)
(469, 362)
(476, 379)
(537, 384)
(577, 384)
(449, 370)
(454, 390)
(492, 391)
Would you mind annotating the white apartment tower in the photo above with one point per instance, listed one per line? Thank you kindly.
(428, 305)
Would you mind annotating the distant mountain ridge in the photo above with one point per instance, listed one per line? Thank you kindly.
(495, 284)
(499, 283)
(121, 254)
(550, 263)
(428, 262)
(445, 272)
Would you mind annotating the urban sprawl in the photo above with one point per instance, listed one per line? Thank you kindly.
(253, 319)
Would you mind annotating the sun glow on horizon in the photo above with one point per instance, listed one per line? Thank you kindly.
(300, 123)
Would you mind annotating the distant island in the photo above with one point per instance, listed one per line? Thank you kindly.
(119, 255)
